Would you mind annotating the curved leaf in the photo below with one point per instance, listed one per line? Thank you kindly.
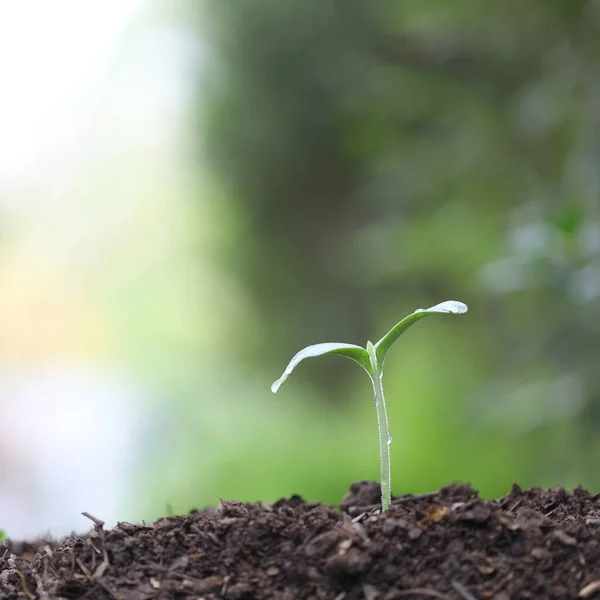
(356, 353)
(385, 343)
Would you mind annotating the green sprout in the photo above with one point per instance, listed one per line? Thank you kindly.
(2, 535)
(371, 360)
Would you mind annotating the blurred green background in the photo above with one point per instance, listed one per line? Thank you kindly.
(260, 175)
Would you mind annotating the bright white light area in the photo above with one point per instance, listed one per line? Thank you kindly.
(50, 54)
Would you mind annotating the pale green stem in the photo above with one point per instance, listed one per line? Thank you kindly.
(384, 442)
(382, 426)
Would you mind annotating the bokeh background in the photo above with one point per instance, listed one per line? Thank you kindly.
(190, 192)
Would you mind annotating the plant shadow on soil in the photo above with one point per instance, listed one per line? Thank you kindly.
(449, 545)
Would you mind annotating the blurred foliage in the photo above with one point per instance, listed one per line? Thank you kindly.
(381, 151)
(374, 157)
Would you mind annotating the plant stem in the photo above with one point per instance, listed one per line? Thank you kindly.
(384, 441)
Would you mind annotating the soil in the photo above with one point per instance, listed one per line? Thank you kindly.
(449, 545)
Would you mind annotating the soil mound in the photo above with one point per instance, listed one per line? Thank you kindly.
(449, 545)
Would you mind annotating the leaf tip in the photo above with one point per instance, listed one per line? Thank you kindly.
(458, 308)
(277, 384)
(450, 306)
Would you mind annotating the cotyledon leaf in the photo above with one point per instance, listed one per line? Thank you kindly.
(356, 353)
(385, 343)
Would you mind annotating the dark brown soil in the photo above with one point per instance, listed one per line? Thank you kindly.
(448, 545)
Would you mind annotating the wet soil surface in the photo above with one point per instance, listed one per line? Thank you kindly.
(450, 544)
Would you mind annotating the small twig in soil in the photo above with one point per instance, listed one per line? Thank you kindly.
(552, 511)
(25, 585)
(99, 528)
(515, 505)
(97, 522)
(42, 593)
(462, 590)
(85, 570)
(94, 580)
(206, 535)
(358, 518)
(49, 558)
(590, 589)
(312, 533)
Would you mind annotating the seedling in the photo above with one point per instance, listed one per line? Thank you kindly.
(371, 359)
